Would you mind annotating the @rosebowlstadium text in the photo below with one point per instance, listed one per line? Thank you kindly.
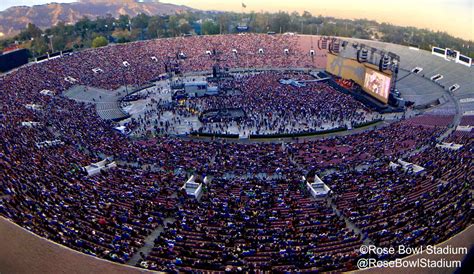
(378, 256)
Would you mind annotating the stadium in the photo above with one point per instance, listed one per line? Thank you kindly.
(236, 153)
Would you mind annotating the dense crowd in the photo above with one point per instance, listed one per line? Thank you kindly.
(146, 59)
(240, 223)
(393, 206)
(255, 224)
(263, 104)
(275, 108)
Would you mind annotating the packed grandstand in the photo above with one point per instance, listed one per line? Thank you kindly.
(402, 177)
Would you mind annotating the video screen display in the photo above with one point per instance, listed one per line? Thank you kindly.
(464, 59)
(346, 68)
(439, 50)
(451, 54)
(14, 59)
(377, 84)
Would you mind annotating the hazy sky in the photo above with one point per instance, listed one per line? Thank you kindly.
(453, 16)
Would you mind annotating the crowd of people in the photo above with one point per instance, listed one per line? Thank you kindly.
(139, 62)
(275, 108)
(393, 206)
(256, 104)
(255, 224)
(45, 189)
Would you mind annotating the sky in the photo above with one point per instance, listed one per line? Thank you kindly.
(452, 16)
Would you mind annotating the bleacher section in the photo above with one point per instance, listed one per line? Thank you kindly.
(107, 103)
(111, 111)
(452, 72)
(431, 120)
(467, 120)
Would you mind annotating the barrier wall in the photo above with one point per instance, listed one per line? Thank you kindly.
(463, 239)
(24, 252)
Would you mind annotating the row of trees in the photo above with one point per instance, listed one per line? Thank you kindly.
(92, 33)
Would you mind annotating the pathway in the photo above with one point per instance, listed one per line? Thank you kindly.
(149, 243)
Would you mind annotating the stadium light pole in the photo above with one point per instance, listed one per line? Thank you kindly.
(50, 37)
(123, 80)
(126, 88)
(51, 42)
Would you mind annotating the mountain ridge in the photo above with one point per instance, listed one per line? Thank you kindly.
(14, 19)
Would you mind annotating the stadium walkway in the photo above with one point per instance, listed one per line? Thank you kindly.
(149, 243)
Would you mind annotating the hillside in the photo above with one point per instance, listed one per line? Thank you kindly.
(14, 19)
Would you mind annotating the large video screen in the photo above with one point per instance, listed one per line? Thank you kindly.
(377, 84)
(346, 68)
(14, 59)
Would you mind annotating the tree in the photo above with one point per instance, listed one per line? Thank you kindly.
(39, 46)
(281, 22)
(82, 26)
(123, 22)
(224, 22)
(31, 31)
(260, 22)
(307, 15)
(173, 25)
(140, 21)
(184, 26)
(156, 27)
(209, 27)
(122, 36)
(99, 41)
(59, 43)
